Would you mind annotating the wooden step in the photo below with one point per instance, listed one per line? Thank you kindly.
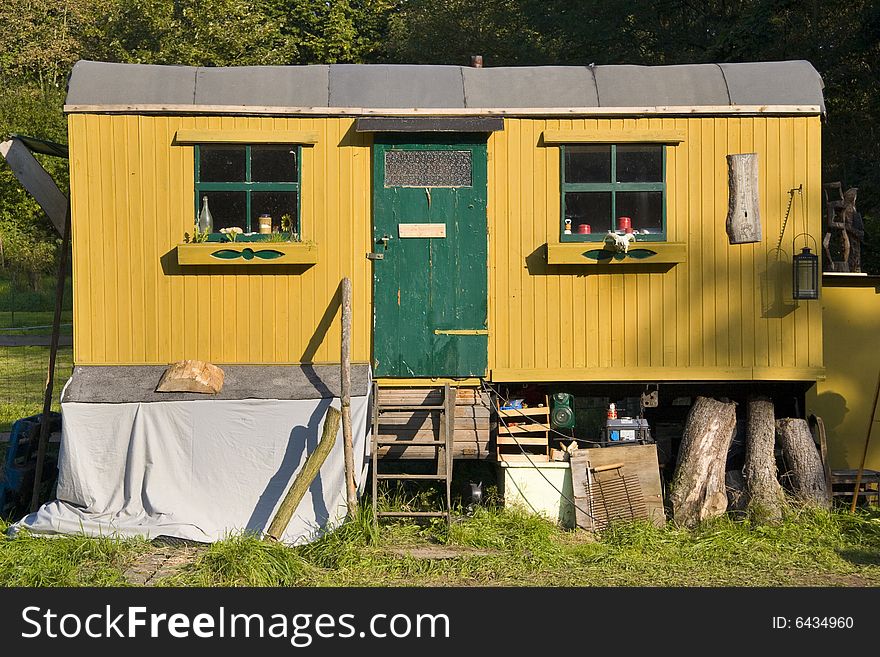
(462, 450)
(401, 442)
(387, 408)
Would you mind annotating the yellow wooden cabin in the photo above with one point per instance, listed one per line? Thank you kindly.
(470, 207)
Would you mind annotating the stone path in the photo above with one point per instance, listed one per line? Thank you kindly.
(160, 562)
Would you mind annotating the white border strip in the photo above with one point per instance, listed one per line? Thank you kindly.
(678, 110)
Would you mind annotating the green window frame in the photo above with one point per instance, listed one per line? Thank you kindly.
(249, 187)
(614, 188)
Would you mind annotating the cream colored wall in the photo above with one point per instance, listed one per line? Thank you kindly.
(844, 400)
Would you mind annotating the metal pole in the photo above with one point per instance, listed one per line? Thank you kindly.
(50, 374)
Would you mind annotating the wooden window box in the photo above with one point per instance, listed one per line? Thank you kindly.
(640, 253)
(247, 253)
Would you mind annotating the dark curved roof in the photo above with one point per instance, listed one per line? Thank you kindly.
(422, 87)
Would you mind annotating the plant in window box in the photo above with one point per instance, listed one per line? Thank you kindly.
(287, 228)
(198, 236)
(231, 233)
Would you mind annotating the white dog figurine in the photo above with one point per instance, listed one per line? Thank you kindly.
(619, 243)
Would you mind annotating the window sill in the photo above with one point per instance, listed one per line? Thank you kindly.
(640, 253)
(248, 253)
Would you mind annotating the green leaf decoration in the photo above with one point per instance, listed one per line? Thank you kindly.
(247, 253)
(603, 255)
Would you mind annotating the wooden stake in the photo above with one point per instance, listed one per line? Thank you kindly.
(306, 476)
(345, 377)
(43, 443)
(855, 499)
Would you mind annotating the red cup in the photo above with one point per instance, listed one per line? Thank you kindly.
(584, 229)
(624, 224)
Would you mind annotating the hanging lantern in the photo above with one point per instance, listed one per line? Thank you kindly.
(805, 274)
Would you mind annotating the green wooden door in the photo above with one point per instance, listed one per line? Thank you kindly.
(430, 287)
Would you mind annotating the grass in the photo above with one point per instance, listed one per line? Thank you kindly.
(21, 299)
(811, 548)
(23, 369)
(22, 381)
(35, 318)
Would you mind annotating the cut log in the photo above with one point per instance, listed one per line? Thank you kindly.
(803, 462)
(743, 216)
(765, 496)
(191, 376)
(698, 487)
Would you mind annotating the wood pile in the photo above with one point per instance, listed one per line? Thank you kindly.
(701, 481)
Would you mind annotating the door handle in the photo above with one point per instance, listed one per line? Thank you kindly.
(461, 332)
(384, 240)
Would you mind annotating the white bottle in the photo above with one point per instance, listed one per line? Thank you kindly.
(206, 221)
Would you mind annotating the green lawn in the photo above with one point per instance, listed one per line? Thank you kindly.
(34, 318)
(23, 369)
(492, 548)
(23, 378)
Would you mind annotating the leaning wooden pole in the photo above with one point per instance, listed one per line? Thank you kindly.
(43, 444)
(348, 447)
(855, 499)
(306, 476)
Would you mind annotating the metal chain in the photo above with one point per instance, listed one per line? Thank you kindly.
(800, 190)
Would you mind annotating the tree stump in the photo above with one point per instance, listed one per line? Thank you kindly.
(803, 461)
(698, 488)
(765, 495)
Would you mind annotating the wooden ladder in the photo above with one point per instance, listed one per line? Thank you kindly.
(442, 442)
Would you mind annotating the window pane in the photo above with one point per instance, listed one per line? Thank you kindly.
(591, 208)
(275, 204)
(227, 209)
(588, 164)
(273, 164)
(645, 209)
(221, 163)
(639, 163)
(427, 168)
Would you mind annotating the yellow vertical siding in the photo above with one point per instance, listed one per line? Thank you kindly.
(132, 194)
(725, 313)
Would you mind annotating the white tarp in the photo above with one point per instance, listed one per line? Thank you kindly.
(199, 470)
